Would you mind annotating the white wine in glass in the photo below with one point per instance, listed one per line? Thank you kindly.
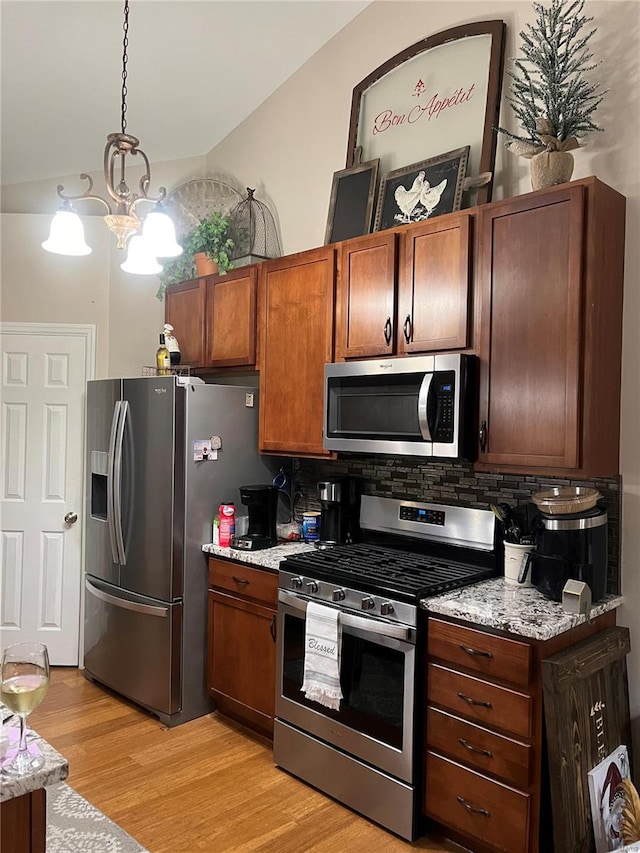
(25, 680)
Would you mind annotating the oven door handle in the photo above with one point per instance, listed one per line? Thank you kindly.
(349, 620)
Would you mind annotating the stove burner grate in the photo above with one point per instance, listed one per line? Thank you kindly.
(386, 569)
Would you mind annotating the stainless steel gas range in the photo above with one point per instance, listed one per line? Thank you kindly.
(367, 754)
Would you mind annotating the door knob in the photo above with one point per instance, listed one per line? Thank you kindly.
(71, 518)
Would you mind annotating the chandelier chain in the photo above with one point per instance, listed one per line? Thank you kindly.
(125, 58)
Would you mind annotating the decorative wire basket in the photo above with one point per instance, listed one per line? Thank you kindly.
(254, 231)
(178, 370)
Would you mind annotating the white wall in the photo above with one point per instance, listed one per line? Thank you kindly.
(289, 148)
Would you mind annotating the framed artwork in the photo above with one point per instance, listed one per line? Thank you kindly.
(441, 93)
(422, 190)
(351, 203)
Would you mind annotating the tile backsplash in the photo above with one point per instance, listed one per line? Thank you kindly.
(450, 483)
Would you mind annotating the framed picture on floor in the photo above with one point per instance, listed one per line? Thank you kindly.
(352, 202)
(422, 190)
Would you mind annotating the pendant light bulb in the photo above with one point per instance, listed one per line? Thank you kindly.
(66, 235)
(159, 232)
(140, 258)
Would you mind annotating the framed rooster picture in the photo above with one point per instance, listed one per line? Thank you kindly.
(422, 190)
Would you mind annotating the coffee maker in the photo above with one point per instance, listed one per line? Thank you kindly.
(340, 510)
(262, 503)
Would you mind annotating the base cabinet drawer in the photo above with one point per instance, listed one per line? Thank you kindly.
(245, 581)
(480, 748)
(477, 806)
(480, 700)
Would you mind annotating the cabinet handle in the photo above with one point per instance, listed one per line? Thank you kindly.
(272, 627)
(473, 809)
(240, 580)
(482, 435)
(476, 652)
(473, 748)
(387, 331)
(471, 701)
(407, 329)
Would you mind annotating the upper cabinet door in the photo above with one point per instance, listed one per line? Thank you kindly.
(365, 310)
(296, 305)
(531, 272)
(434, 285)
(231, 318)
(184, 310)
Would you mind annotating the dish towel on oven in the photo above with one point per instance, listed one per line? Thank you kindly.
(322, 647)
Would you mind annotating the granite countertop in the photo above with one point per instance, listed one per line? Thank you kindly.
(55, 769)
(268, 558)
(518, 610)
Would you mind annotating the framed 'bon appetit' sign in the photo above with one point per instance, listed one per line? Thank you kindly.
(440, 94)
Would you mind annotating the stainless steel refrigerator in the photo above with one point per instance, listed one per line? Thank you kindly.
(149, 506)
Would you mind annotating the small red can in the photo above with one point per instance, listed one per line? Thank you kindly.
(227, 513)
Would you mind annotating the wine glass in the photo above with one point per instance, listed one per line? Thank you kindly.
(25, 679)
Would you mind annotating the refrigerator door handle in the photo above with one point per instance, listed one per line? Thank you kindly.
(148, 609)
(111, 482)
(117, 483)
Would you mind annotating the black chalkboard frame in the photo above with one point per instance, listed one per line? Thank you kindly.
(351, 203)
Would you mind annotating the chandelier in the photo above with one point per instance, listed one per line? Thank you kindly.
(155, 238)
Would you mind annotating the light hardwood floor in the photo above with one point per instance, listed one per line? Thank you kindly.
(207, 785)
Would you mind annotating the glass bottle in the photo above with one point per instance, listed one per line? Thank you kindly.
(163, 361)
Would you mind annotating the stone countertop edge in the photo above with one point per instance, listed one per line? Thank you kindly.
(55, 769)
(517, 610)
(267, 558)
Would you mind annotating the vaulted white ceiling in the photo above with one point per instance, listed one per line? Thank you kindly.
(196, 69)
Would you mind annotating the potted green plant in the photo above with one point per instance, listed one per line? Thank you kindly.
(549, 95)
(211, 240)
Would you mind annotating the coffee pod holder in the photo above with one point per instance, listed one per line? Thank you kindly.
(576, 598)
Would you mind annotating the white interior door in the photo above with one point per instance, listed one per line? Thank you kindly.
(44, 373)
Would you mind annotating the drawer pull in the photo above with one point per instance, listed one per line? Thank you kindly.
(473, 748)
(473, 809)
(471, 701)
(476, 652)
(240, 580)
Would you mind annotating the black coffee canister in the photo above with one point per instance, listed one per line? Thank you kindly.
(570, 547)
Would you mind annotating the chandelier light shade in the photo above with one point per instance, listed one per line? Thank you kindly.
(66, 236)
(159, 232)
(140, 258)
(121, 202)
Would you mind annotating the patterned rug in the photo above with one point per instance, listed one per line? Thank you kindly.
(75, 826)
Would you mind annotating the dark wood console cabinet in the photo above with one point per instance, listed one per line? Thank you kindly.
(484, 739)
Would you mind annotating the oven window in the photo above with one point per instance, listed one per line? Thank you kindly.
(372, 678)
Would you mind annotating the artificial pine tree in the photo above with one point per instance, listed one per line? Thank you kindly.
(549, 95)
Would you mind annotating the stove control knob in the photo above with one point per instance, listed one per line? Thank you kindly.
(296, 583)
(386, 608)
(338, 595)
(312, 586)
(367, 603)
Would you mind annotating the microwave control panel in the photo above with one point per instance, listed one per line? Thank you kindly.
(445, 392)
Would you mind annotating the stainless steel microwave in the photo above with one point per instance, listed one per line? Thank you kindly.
(413, 406)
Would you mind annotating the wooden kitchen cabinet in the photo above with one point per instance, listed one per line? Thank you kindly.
(241, 656)
(434, 285)
(406, 291)
(296, 308)
(551, 280)
(230, 318)
(184, 309)
(214, 319)
(485, 765)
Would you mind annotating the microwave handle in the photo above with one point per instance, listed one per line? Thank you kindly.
(423, 400)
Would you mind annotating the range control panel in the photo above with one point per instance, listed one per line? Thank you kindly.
(425, 516)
